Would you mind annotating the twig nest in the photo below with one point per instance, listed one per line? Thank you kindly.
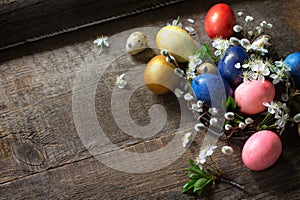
(251, 95)
(261, 150)
(136, 42)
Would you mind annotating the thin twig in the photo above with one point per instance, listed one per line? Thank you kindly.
(232, 183)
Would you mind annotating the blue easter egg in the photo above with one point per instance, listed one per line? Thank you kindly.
(235, 54)
(211, 89)
(293, 62)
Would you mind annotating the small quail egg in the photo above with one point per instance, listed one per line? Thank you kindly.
(136, 43)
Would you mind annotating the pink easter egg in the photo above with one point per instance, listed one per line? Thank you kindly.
(261, 150)
(251, 95)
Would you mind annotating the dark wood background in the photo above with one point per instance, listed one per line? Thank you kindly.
(41, 154)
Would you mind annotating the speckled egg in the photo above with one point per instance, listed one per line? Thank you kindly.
(251, 95)
(293, 62)
(208, 87)
(226, 65)
(261, 150)
(136, 43)
(206, 67)
(177, 41)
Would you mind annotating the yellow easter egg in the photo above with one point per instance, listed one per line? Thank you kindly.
(177, 41)
(159, 75)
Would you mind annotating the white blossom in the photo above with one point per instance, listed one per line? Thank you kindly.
(281, 121)
(194, 62)
(197, 108)
(276, 107)
(261, 70)
(175, 22)
(120, 82)
(213, 111)
(186, 139)
(279, 72)
(204, 153)
(221, 45)
(100, 41)
(272, 107)
(249, 75)
(188, 97)
(178, 92)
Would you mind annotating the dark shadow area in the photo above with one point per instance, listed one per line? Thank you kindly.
(80, 15)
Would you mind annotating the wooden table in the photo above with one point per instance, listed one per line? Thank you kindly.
(42, 155)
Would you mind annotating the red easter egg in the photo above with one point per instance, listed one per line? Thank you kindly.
(219, 21)
(251, 95)
(261, 150)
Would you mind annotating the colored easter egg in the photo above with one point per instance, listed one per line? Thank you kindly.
(293, 62)
(219, 21)
(261, 150)
(136, 43)
(159, 75)
(206, 67)
(226, 65)
(208, 87)
(251, 95)
(177, 41)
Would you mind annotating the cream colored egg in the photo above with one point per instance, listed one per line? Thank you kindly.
(136, 43)
(177, 41)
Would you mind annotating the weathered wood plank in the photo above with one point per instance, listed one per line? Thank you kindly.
(41, 155)
(91, 179)
(21, 20)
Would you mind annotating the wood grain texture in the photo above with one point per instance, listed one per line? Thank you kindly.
(21, 20)
(42, 156)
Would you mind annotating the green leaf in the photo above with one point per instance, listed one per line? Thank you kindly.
(189, 185)
(194, 176)
(199, 192)
(192, 163)
(239, 116)
(208, 50)
(200, 184)
(204, 52)
(231, 104)
(197, 171)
